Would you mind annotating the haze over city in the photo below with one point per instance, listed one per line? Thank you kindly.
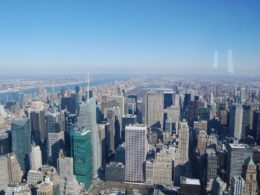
(129, 97)
(75, 37)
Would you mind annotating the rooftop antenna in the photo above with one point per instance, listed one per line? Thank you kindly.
(88, 89)
(215, 61)
(230, 62)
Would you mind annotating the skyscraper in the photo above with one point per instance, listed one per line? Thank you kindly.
(87, 120)
(183, 142)
(55, 126)
(128, 119)
(236, 120)
(249, 175)
(246, 120)
(256, 125)
(135, 153)
(38, 126)
(5, 142)
(154, 109)
(168, 98)
(212, 164)
(36, 158)
(237, 154)
(81, 152)
(162, 168)
(15, 172)
(67, 180)
(21, 142)
(237, 185)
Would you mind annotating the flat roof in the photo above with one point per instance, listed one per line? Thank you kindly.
(190, 181)
(241, 146)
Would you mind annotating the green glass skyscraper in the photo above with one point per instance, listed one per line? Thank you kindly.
(81, 151)
(21, 142)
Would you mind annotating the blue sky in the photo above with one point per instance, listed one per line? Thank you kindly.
(128, 36)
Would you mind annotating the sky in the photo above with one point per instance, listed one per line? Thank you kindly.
(128, 36)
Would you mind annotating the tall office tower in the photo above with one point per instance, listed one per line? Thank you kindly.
(246, 120)
(121, 104)
(81, 152)
(14, 169)
(21, 142)
(128, 119)
(237, 154)
(201, 125)
(54, 121)
(237, 185)
(36, 158)
(192, 111)
(176, 99)
(254, 107)
(173, 113)
(235, 121)
(70, 104)
(55, 145)
(154, 109)
(168, 98)
(141, 115)
(212, 164)
(183, 142)
(5, 142)
(38, 126)
(111, 119)
(187, 99)
(131, 104)
(242, 95)
(162, 168)
(249, 175)
(201, 142)
(70, 120)
(218, 187)
(135, 153)
(4, 176)
(54, 125)
(102, 141)
(256, 125)
(68, 183)
(87, 120)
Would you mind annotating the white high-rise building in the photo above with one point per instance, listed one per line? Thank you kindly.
(68, 183)
(136, 147)
(154, 109)
(36, 158)
(183, 142)
(236, 121)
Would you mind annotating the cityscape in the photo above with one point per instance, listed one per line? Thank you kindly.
(129, 97)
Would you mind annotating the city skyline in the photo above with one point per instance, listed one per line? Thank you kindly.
(128, 37)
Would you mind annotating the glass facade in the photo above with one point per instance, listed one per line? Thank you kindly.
(81, 151)
(21, 142)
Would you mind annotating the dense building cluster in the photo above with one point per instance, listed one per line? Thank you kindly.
(139, 136)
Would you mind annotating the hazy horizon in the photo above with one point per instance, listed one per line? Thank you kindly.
(128, 37)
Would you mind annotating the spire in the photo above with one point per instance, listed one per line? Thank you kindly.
(88, 89)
